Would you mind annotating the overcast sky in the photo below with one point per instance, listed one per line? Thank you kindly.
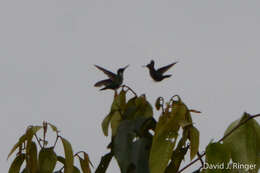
(48, 49)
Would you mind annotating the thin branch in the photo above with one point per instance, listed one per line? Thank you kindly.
(201, 161)
(224, 137)
(128, 88)
(191, 163)
(45, 127)
(56, 140)
(38, 140)
(237, 126)
(77, 154)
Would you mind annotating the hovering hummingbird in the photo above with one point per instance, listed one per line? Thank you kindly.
(114, 81)
(157, 75)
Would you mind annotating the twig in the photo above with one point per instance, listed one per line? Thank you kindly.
(237, 126)
(191, 163)
(77, 154)
(224, 137)
(128, 88)
(38, 140)
(56, 140)
(201, 161)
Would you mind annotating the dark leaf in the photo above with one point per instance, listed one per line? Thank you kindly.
(22, 139)
(194, 137)
(32, 158)
(244, 142)
(103, 165)
(47, 160)
(69, 158)
(16, 164)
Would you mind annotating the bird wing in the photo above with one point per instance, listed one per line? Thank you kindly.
(103, 82)
(108, 73)
(165, 68)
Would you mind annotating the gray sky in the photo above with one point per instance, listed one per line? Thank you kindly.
(48, 49)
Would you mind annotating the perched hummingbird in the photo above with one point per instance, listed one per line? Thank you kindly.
(157, 75)
(114, 81)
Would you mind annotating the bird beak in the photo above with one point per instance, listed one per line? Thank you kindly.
(126, 67)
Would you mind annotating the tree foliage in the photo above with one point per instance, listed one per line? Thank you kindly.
(136, 148)
(140, 144)
(45, 161)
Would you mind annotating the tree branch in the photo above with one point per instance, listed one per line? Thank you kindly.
(224, 137)
(239, 125)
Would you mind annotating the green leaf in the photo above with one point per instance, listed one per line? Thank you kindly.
(166, 133)
(61, 159)
(130, 108)
(69, 159)
(54, 128)
(144, 108)
(119, 102)
(244, 142)
(105, 124)
(122, 144)
(103, 165)
(176, 159)
(217, 155)
(30, 132)
(76, 170)
(32, 158)
(122, 100)
(86, 158)
(179, 153)
(47, 160)
(84, 164)
(115, 121)
(22, 139)
(16, 164)
(184, 123)
(132, 151)
(194, 137)
(143, 125)
(26, 137)
(117, 107)
(137, 107)
(140, 155)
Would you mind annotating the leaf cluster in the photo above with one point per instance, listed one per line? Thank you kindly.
(46, 160)
(140, 144)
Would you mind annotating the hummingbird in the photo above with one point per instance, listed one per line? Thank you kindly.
(157, 75)
(114, 81)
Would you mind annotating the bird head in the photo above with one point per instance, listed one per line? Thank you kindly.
(121, 70)
(150, 65)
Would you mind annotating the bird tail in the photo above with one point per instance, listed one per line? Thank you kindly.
(102, 82)
(167, 76)
(103, 88)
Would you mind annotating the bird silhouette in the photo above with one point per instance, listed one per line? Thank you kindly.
(114, 81)
(157, 75)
